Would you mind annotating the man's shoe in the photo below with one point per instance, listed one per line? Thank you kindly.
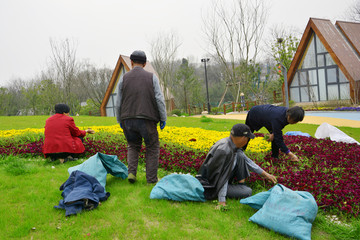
(131, 178)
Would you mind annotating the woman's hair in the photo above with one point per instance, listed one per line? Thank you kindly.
(62, 108)
(296, 113)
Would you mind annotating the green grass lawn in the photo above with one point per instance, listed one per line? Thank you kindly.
(29, 188)
(29, 194)
(21, 122)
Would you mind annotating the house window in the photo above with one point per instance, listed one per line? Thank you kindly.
(331, 75)
(294, 92)
(320, 48)
(318, 78)
(110, 106)
(320, 60)
(333, 92)
(309, 58)
(322, 84)
(344, 91)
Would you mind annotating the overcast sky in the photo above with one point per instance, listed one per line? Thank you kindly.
(104, 29)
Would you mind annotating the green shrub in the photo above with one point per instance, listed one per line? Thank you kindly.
(206, 119)
(176, 112)
(215, 110)
(90, 109)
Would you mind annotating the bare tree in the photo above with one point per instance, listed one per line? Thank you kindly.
(94, 82)
(280, 32)
(65, 68)
(234, 30)
(14, 102)
(163, 51)
(31, 94)
(353, 13)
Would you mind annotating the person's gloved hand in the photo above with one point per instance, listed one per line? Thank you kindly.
(162, 124)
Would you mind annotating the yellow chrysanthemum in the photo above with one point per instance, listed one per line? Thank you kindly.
(195, 138)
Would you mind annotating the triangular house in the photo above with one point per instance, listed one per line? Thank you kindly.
(123, 65)
(326, 65)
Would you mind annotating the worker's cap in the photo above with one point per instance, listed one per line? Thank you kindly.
(239, 130)
(138, 56)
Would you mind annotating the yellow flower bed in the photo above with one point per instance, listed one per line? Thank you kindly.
(201, 139)
(195, 138)
(13, 132)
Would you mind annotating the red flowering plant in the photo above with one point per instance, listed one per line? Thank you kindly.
(329, 170)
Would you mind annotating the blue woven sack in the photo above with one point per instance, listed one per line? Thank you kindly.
(285, 211)
(178, 187)
(297, 133)
(99, 165)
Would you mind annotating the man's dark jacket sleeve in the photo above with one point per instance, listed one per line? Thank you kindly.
(215, 171)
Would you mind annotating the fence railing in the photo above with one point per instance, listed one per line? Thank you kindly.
(233, 106)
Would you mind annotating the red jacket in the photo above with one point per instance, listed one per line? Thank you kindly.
(61, 135)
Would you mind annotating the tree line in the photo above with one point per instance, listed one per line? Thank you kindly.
(234, 32)
(66, 80)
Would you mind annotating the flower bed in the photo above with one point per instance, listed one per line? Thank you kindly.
(328, 170)
(347, 109)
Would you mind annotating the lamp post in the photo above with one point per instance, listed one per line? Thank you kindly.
(205, 60)
(242, 100)
(283, 68)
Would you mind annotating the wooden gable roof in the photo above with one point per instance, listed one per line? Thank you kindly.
(340, 41)
(351, 32)
(123, 61)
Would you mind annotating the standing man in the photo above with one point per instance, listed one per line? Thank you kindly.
(140, 105)
(274, 119)
(226, 167)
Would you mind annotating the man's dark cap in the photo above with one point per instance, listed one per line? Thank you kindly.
(239, 130)
(138, 56)
(62, 108)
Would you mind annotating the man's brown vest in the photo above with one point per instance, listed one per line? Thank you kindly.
(138, 96)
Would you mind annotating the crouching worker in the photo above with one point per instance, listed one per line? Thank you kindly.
(226, 167)
(274, 119)
(63, 140)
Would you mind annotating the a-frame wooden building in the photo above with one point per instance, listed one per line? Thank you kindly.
(326, 65)
(123, 65)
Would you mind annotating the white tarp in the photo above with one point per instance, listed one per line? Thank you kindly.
(326, 130)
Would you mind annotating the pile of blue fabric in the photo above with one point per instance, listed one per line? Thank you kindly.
(85, 187)
(100, 165)
(81, 191)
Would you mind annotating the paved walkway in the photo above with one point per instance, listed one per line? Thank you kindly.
(307, 119)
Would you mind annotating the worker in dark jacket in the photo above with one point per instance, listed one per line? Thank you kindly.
(274, 119)
(140, 105)
(226, 167)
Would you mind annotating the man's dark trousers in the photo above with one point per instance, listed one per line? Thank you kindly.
(136, 129)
